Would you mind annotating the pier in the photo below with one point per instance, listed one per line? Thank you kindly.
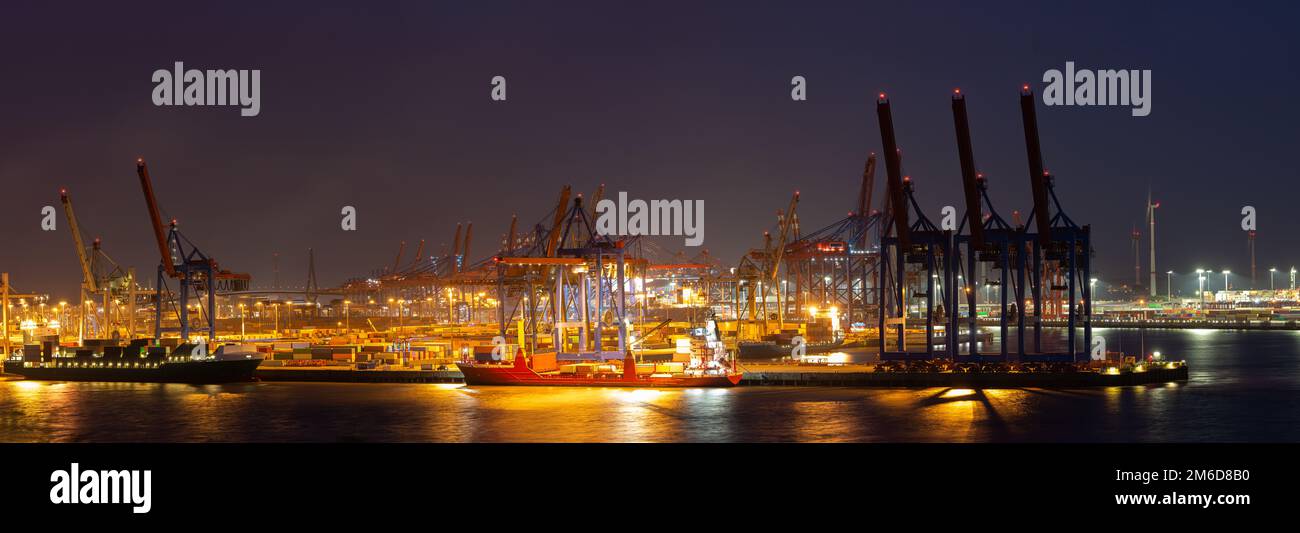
(853, 375)
(870, 376)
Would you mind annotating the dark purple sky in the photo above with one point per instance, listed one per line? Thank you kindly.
(386, 108)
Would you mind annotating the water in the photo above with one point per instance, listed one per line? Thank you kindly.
(1243, 387)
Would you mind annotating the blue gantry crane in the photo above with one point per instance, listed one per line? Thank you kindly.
(1059, 242)
(197, 275)
(921, 244)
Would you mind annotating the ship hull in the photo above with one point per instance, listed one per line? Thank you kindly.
(748, 350)
(190, 372)
(487, 375)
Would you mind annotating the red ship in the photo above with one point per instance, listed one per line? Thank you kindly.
(520, 372)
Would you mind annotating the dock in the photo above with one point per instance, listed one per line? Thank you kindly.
(351, 375)
(855, 375)
(868, 376)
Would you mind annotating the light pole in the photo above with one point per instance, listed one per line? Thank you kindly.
(1271, 285)
(347, 318)
(391, 302)
(1200, 284)
(1225, 280)
(451, 305)
(938, 288)
(260, 317)
(1169, 285)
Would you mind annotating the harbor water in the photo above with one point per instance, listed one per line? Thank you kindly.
(1243, 387)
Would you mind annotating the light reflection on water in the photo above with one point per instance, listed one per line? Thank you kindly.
(1244, 388)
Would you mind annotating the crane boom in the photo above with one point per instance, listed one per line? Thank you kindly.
(1037, 175)
(464, 253)
(397, 262)
(865, 196)
(553, 240)
(419, 249)
(159, 233)
(455, 248)
(893, 171)
(595, 199)
(779, 251)
(868, 186)
(510, 237)
(87, 275)
(968, 175)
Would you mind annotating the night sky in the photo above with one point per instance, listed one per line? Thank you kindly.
(387, 108)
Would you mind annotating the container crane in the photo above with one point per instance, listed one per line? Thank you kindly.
(920, 243)
(100, 276)
(835, 266)
(88, 285)
(1060, 242)
(193, 271)
(988, 239)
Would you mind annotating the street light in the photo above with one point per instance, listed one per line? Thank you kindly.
(391, 301)
(1200, 284)
(1271, 286)
(1225, 280)
(1169, 285)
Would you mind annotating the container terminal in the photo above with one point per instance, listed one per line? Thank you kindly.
(881, 297)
